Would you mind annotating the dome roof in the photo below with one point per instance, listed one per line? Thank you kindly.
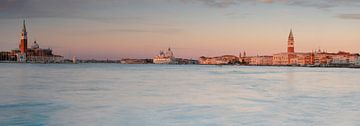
(35, 46)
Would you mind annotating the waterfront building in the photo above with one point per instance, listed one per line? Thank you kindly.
(186, 61)
(344, 58)
(35, 54)
(7, 57)
(322, 58)
(261, 60)
(165, 58)
(357, 63)
(302, 59)
(246, 60)
(281, 59)
(341, 58)
(220, 60)
(212, 61)
(230, 59)
(243, 59)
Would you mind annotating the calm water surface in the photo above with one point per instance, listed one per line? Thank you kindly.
(177, 95)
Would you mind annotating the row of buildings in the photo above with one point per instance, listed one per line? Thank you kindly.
(35, 54)
(289, 58)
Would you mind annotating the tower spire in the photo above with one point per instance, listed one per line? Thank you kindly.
(291, 36)
(24, 26)
(291, 47)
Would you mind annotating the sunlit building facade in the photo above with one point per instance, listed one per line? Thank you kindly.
(261, 60)
(220, 60)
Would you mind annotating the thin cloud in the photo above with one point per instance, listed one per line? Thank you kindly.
(235, 15)
(51, 8)
(219, 3)
(69, 9)
(4, 4)
(349, 16)
(81, 9)
(72, 8)
(321, 4)
(216, 3)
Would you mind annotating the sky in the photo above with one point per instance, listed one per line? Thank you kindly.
(115, 29)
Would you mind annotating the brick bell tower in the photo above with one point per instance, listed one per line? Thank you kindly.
(23, 40)
(21, 57)
(291, 43)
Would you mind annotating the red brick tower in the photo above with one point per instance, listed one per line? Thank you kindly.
(291, 43)
(23, 40)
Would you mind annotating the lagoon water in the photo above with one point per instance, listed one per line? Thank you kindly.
(177, 95)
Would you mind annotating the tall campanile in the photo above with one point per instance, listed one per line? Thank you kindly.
(23, 40)
(291, 43)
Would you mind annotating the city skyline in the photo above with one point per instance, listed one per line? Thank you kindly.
(134, 29)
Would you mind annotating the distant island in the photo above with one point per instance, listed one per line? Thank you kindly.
(35, 54)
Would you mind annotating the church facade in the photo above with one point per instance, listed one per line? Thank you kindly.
(165, 58)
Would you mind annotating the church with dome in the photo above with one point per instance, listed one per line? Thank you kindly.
(35, 54)
(165, 57)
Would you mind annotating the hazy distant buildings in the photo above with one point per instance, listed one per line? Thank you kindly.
(220, 60)
(302, 59)
(136, 61)
(7, 57)
(186, 61)
(357, 63)
(261, 60)
(35, 54)
(165, 58)
(336, 59)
